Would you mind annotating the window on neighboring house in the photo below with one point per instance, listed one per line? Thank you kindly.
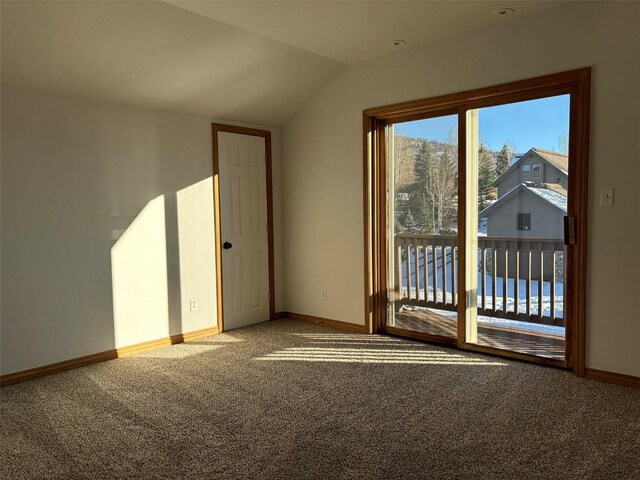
(524, 221)
(526, 172)
(536, 171)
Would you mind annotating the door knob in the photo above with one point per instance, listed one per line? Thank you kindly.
(226, 245)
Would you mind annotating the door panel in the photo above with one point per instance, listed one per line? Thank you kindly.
(422, 225)
(243, 210)
(520, 175)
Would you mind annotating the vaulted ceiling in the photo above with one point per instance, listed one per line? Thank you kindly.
(352, 31)
(255, 62)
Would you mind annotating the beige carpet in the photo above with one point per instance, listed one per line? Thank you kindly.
(291, 401)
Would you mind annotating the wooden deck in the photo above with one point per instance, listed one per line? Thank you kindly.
(496, 336)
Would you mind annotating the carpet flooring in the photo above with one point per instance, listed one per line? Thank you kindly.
(287, 400)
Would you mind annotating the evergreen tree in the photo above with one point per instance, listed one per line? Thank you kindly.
(445, 184)
(419, 208)
(504, 158)
(486, 176)
(422, 162)
(409, 222)
(422, 204)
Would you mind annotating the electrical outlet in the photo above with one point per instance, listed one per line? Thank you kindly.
(193, 305)
(325, 293)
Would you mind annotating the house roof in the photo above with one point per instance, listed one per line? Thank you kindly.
(555, 187)
(551, 193)
(558, 160)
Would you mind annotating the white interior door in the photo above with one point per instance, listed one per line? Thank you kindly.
(243, 215)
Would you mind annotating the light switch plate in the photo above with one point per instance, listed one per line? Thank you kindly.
(606, 197)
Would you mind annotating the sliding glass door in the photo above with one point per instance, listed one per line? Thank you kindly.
(422, 223)
(478, 219)
(517, 195)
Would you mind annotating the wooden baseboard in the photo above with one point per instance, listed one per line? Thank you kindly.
(612, 377)
(325, 322)
(142, 347)
(196, 334)
(32, 373)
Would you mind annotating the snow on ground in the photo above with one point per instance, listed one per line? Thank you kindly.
(438, 295)
(522, 300)
(483, 225)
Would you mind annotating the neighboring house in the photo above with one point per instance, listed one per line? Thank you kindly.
(532, 197)
(532, 201)
(536, 165)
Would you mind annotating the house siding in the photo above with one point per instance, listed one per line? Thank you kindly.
(546, 220)
(550, 174)
(510, 182)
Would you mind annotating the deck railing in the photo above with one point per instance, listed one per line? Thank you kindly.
(518, 278)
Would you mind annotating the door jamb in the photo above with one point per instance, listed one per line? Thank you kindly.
(219, 127)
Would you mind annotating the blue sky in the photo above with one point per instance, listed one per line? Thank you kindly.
(534, 123)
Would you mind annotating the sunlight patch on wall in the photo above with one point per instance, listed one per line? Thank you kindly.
(196, 241)
(139, 276)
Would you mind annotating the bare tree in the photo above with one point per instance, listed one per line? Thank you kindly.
(431, 185)
(563, 142)
(403, 157)
(442, 182)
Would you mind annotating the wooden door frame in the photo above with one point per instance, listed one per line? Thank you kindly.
(216, 128)
(577, 83)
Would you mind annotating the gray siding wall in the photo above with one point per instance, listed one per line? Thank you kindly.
(510, 182)
(546, 220)
(550, 174)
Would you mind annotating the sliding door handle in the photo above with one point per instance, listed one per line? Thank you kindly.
(569, 230)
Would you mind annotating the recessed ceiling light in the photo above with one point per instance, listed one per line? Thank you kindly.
(504, 11)
(397, 43)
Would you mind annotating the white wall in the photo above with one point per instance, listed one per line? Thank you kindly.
(94, 192)
(322, 170)
(140, 279)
